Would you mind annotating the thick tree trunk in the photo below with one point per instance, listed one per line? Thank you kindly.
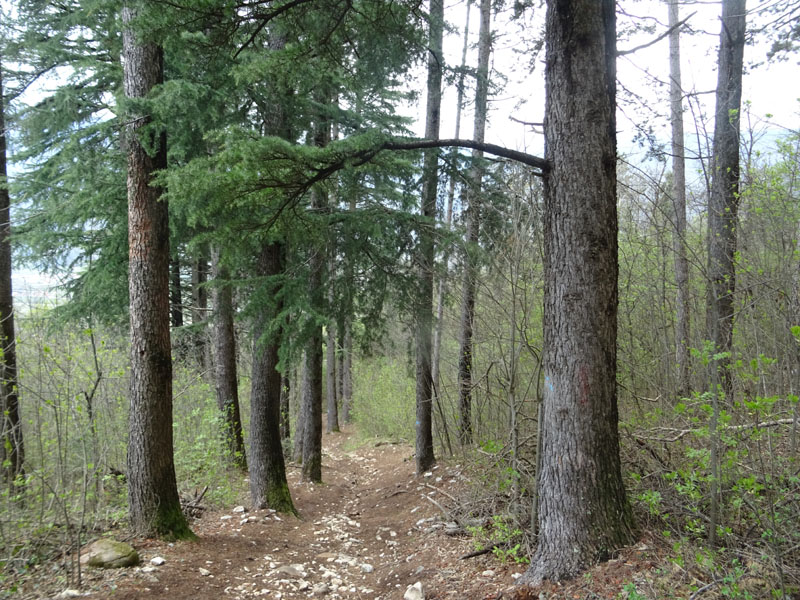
(473, 225)
(723, 208)
(425, 458)
(227, 385)
(12, 450)
(723, 205)
(679, 203)
(583, 510)
(268, 485)
(155, 508)
(176, 293)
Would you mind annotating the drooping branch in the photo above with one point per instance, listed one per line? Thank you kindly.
(657, 39)
(501, 151)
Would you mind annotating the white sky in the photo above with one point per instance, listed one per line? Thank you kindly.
(772, 88)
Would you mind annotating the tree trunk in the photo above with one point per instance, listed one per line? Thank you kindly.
(347, 371)
(330, 358)
(176, 294)
(723, 203)
(286, 389)
(12, 452)
(312, 408)
(200, 310)
(723, 207)
(584, 513)
(679, 203)
(300, 423)
(333, 410)
(268, 485)
(425, 458)
(448, 219)
(227, 388)
(312, 392)
(473, 225)
(155, 508)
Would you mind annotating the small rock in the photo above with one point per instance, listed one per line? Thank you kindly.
(239, 509)
(204, 572)
(516, 576)
(320, 589)
(414, 592)
(226, 517)
(109, 554)
(157, 561)
(69, 594)
(303, 585)
(367, 568)
(488, 573)
(290, 571)
(148, 569)
(326, 556)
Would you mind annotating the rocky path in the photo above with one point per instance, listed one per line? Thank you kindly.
(368, 532)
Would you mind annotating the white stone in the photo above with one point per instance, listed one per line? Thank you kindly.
(204, 572)
(68, 593)
(488, 573)
(157, 561)
(367, 568)
(148, 569)
(239, 509)
(414, 592)
(225, 517)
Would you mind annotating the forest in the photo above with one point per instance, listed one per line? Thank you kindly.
(590, 352)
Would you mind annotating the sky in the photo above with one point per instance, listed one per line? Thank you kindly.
(771, 87)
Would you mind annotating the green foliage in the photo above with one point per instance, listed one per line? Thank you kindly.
(383, 399)
(504, 539)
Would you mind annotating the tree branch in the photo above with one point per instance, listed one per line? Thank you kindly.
(501, 151)
(658, 39)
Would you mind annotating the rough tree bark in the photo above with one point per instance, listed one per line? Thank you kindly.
(155, 508)
(723, 204)
(584, 514)
(682, 315)
(723, 209)
(268, 485)
(425, 458)
(473, 193)
(12, 447)
(226, 380)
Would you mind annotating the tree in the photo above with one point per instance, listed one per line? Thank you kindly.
(425, 245)
(268, 485)
(723, 208)
(12, 452)
(473, 225)
(724, 198)
(682, 318)
(155, 508)
(583, 510)
(226, 381)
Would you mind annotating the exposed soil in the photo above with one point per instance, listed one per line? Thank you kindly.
(370, 531)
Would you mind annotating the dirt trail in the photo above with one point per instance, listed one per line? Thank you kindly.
(367, 532)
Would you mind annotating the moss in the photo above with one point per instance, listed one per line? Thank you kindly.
(171, 525)
(280, 499)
